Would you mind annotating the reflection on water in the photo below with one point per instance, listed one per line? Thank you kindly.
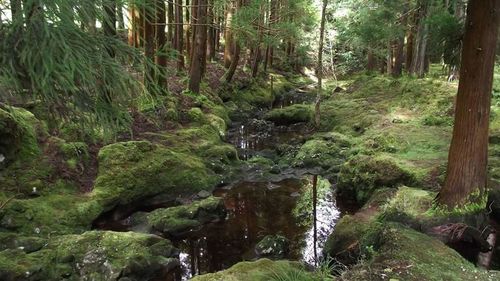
(254, 211)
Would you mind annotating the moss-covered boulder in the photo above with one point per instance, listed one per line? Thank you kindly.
(291, 114)
(400, 253)
(132, 171)
(326, 150)
(273, 246)
(363, 174)
(261, 270)
(178, 220)
(94, 255)
(18, 134)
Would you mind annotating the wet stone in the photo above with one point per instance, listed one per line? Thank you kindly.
(273, 246)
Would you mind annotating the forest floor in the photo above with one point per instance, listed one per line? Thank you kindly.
(75, 204)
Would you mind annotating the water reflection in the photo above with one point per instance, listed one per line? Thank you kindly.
(254, 211)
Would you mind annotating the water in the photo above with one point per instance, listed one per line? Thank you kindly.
(257, 209)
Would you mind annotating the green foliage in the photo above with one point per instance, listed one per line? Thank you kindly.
(59, 57)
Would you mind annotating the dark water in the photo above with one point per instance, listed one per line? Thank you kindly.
(254, 211)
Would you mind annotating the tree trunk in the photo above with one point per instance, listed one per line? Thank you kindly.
(199, 47)
(234, 63)
(389, 58)
(319, 70)
(372, 62)
(420, 51)
(179, 34)
(211, 31)
(228, 35)
(397, 70)
(188, 32)
(466, 175)
(149, 43)
(161, 42)
(171, 25)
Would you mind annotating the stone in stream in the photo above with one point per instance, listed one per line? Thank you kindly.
(273, 246)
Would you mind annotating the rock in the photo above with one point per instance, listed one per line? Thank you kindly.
(203, 194)
(275, 246)
(290, 115)
(362, 175)
(176, 221)
(93, 255)
(132, 171)
(397, 252)
(338, 89)
(325, 151)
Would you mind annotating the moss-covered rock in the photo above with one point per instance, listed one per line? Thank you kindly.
(131, 171)
(328, 151)
(260, 270)
(400, 253)
(361, 175)
(290, 115)
(94, 255)
(18, 135)
(178, 220)
(274, 246)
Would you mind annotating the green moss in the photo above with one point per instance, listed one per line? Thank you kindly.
(363, 174)
(225, 153)
(196, 115)
(177, 220)
(291, 114)
(131, 171)
(18, 134)
(405, 254)
(260, 270)
(92, 255)
(327, 150)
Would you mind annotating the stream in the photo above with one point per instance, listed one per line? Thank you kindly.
(256, 208)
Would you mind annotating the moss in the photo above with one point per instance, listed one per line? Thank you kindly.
(405, 254)
(18, 135)
(327, 150)
(131, 171)
(291, 114)
(178, 220)
(93, 255)
(361, 175)
(225, 153)
(260, 270)
(196, 115)
(55, 213)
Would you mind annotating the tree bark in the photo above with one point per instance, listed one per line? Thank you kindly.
(170, 17)
(199, 47)
(466, 175)
(228, 35)
(161, 42)
(149, 42)
(179, 35)
(372, 62)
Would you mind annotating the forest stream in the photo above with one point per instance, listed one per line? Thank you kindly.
(256, 207)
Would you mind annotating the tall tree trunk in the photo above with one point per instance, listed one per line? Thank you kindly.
(149, 42)
(228, 35)
(397, 69)
(420, 48)
(171, 25)
(211, 31)
(389, 58)
(188, 32)
(161, 42)
(319, 70)
(179, 34)
(466, 175)
(199, 47)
